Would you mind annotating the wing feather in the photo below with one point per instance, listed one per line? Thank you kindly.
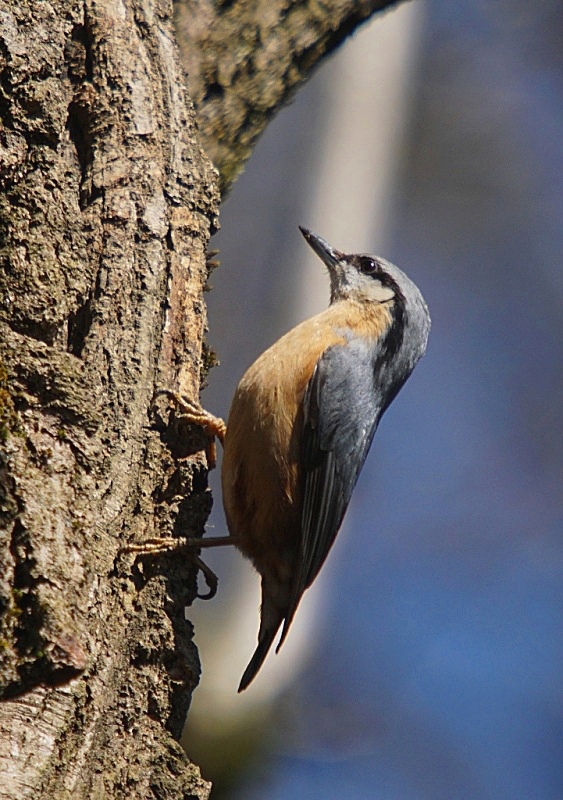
(340, 414)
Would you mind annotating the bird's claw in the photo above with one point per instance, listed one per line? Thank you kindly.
(210, 579)
(168, 544)
(193, 412)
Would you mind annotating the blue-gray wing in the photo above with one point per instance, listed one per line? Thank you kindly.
(340, 414)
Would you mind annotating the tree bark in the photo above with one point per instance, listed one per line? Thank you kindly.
(107, 204)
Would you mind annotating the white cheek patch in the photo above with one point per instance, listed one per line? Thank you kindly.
(377, 292)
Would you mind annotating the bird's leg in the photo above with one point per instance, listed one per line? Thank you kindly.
(168, 544)
(192, 412)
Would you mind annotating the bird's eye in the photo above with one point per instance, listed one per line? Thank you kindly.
(368, 266)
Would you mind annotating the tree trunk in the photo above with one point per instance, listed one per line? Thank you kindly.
(107, 204)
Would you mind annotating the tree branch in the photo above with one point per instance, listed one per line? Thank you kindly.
(245, 59)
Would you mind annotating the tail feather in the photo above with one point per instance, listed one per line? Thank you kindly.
(270, 620)
(264, 644)
(288, 619)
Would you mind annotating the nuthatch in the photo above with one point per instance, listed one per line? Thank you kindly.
(302, 421)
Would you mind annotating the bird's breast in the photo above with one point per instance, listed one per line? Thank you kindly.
(260, 472)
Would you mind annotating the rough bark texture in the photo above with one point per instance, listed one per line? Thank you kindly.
(106, 208)
(246, 58)
(107, 202)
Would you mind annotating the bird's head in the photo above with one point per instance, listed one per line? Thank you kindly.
(358, 277)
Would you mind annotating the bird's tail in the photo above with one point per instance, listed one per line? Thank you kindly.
(257, 660)
(270, 622)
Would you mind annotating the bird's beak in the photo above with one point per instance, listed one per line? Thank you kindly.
(325, 252)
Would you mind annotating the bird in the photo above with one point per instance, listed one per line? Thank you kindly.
(301, 423)
(299, 429)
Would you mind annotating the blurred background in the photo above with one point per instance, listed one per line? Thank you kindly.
(426, 662)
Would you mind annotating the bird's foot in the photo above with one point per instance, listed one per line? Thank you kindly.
(159, 545)
(192, 412)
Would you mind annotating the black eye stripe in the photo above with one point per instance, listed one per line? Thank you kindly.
(368, 266)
